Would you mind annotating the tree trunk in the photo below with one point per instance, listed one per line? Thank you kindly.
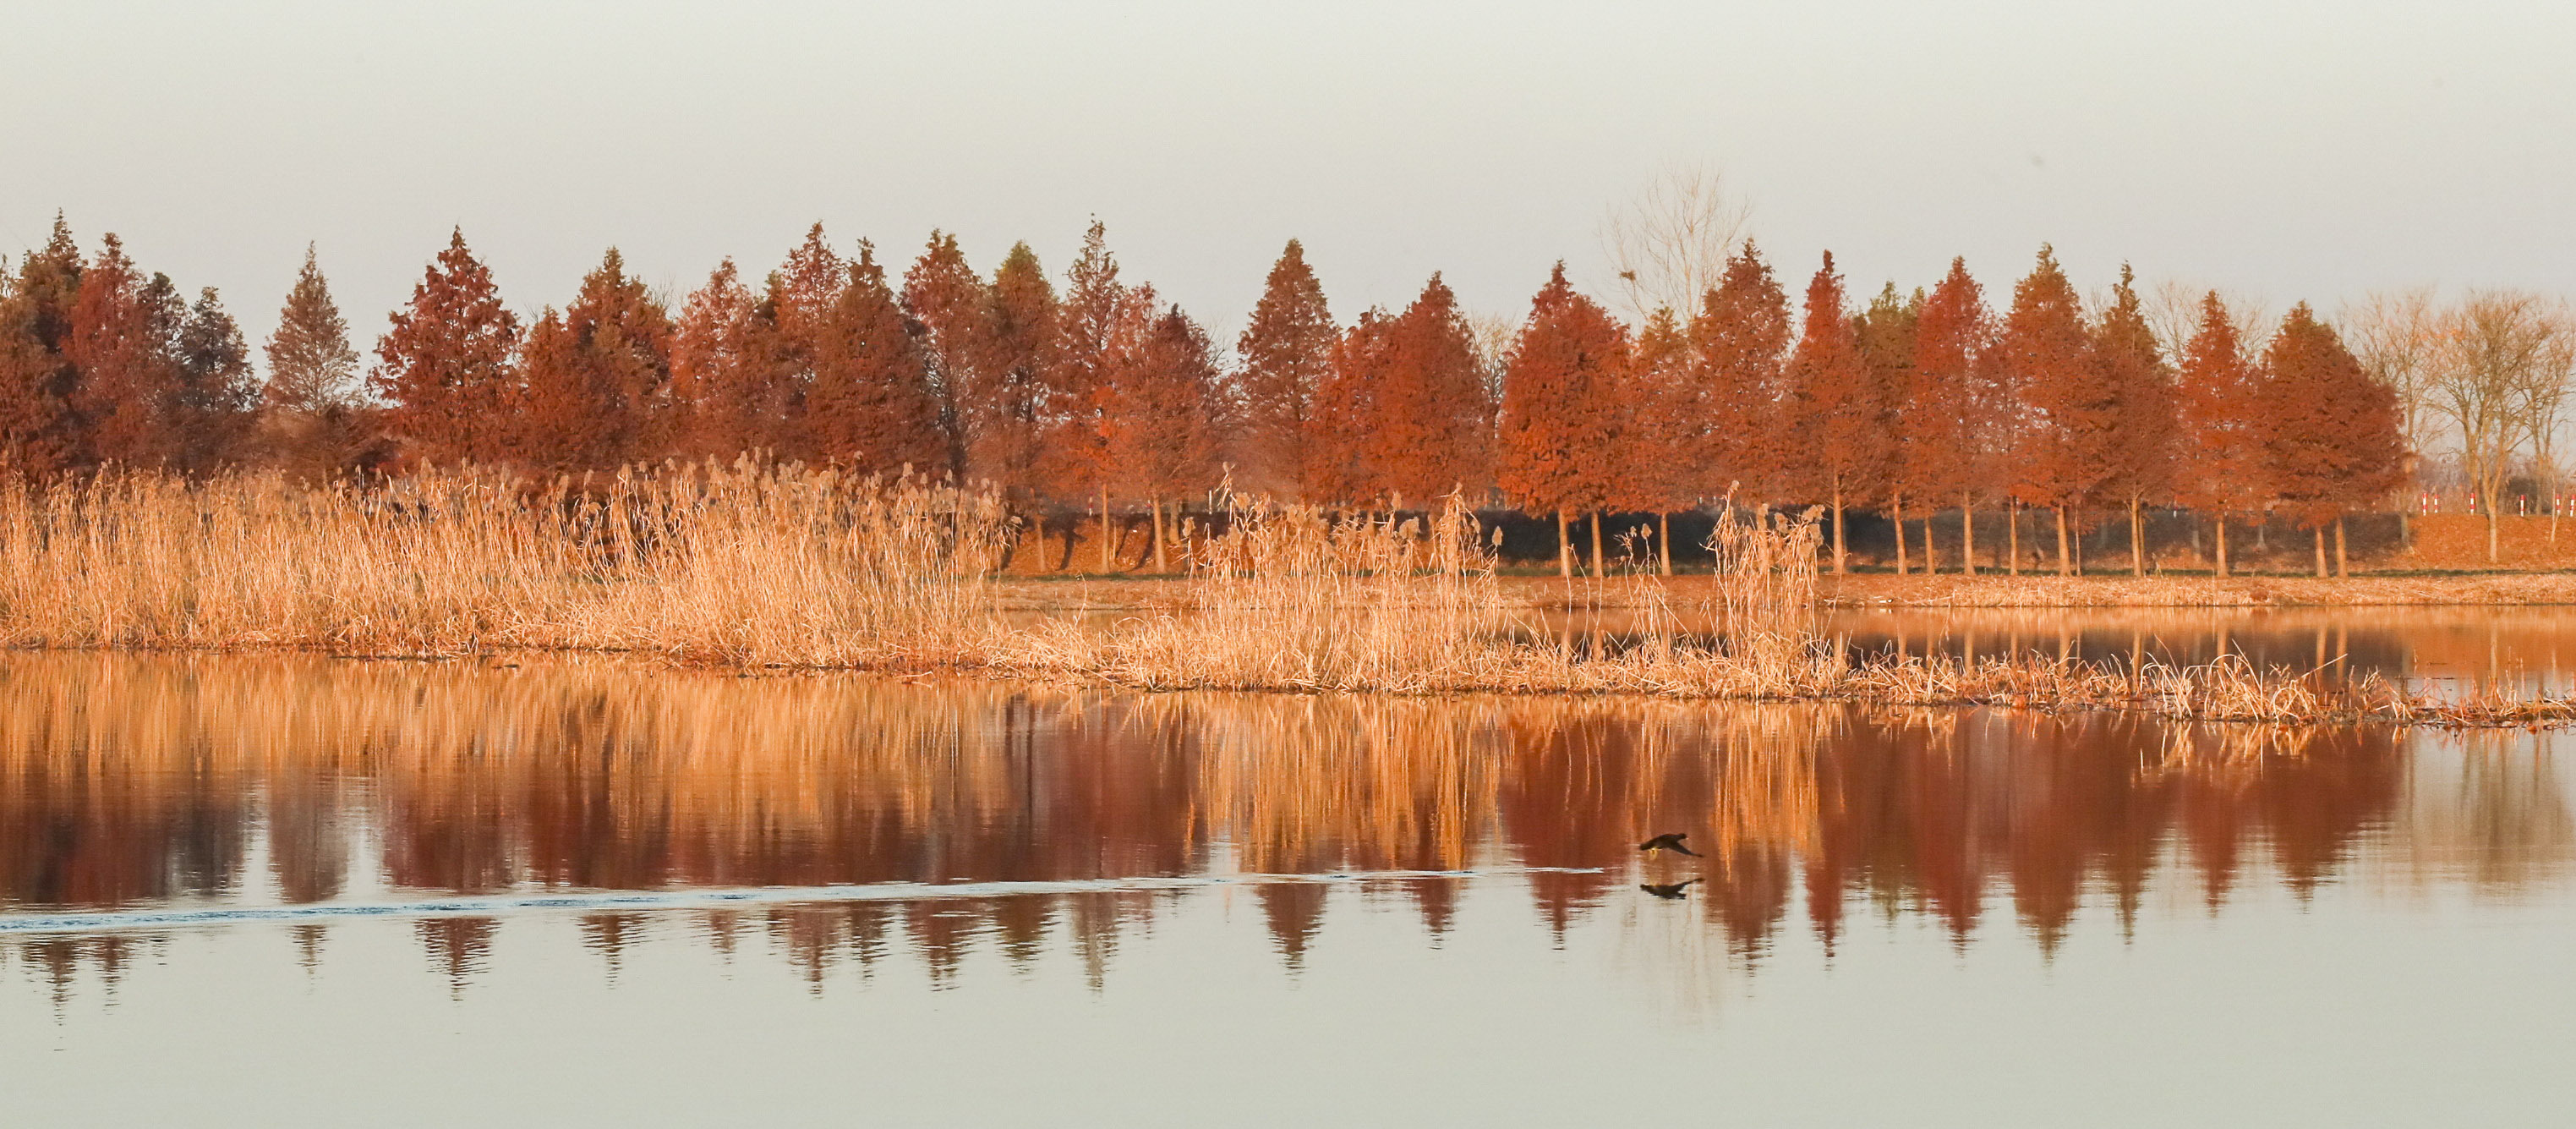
(1664, 541)
(2342, 566)
(1564, 548)
(2137, 539)
(1967, 536)
(1107, 560)
(1159, 566)
(1931, 556)
(2012, 538)
(2065, 564)
(2321, 550)
(1596, 545)
(1838, 527)
(1896, 506)
(2491, 528)
(2222, 542)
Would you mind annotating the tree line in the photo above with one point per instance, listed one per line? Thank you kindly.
(1090, 392)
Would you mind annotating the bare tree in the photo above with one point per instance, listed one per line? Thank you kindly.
(1669, 244)
(2393, 334)
(2542, 402)
(2490, 353)
(2173, 312)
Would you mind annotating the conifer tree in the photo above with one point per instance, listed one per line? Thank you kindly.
(305, 407)
(1943, 437)
(311, 366)
(1081, 396)
(1885, 333)
(1560, 430)
(448, 364)
(1168, 418)
(596, 388)
(1337, 442)
(723, 371)
(2048, 352)
(1832, 399)
(871, 407)
(946, 304)
(215, 388)
(37, 428)
(2140, 450)
(798, 299)
(2218, 397)
(1741, 343)
(1662, 436)
(2331, 436)
(1287, 352)
(117, 381)
(1431, 422)
(1011, 388)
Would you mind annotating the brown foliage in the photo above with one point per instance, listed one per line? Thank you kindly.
(1563, 423)
(1287, 352)
(2330, 434)
(1741, 341)
(449, 365)
(870, 406)
(597, 377)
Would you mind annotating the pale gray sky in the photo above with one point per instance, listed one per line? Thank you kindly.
(2288, 150)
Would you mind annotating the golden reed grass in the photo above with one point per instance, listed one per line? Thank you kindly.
(751, 566)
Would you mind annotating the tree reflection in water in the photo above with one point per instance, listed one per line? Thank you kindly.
(130, 781)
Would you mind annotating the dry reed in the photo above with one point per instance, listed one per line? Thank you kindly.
(764, 566)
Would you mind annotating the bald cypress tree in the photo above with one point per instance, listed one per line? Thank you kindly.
(2048, 352)
(1012, 377)
(1663, 429)
(946, 304)
(211, 411)
(596, 385)
(1167, 419)
(2218, 400)
(871, 407)
(1560, 429)
(1337, 445)
(1429, 430)
(37, 429)
(723, 371)
(448, 366)
(1740, 340)
(1943, 438)
(118, 348)
(1885, 333)
(1833, 404)
(305, 408)
(2330, 435)
(1287, 355)
(2139, 452)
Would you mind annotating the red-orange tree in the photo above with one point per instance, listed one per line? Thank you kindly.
(870, 407)
(1560, 433)
(1939, 439)
(1168, 416)
(37, 431)
(1287, 355)
(1885, 332)
(123, 380)
(1431, 429)
(596, 382)
(447, 366)
(1832, 403)
(2048, 352)
(946, 303)
(2331, 436)
(1740, 344)
(1010, 382)
(2219, 399)
(2140, 451)
(724, 368)
(1663, 429)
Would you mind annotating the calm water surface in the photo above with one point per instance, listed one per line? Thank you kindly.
(266, 891)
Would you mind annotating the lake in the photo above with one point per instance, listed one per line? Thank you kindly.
(260, 889)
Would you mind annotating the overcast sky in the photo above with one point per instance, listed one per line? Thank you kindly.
(2294, 151)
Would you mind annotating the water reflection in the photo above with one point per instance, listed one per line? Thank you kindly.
(136, 782)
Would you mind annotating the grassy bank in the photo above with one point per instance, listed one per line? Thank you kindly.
(761, 567)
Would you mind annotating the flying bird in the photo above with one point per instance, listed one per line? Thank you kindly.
(1670, 891)
(1668, 842)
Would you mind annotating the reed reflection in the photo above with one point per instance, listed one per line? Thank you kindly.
(130, 782)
